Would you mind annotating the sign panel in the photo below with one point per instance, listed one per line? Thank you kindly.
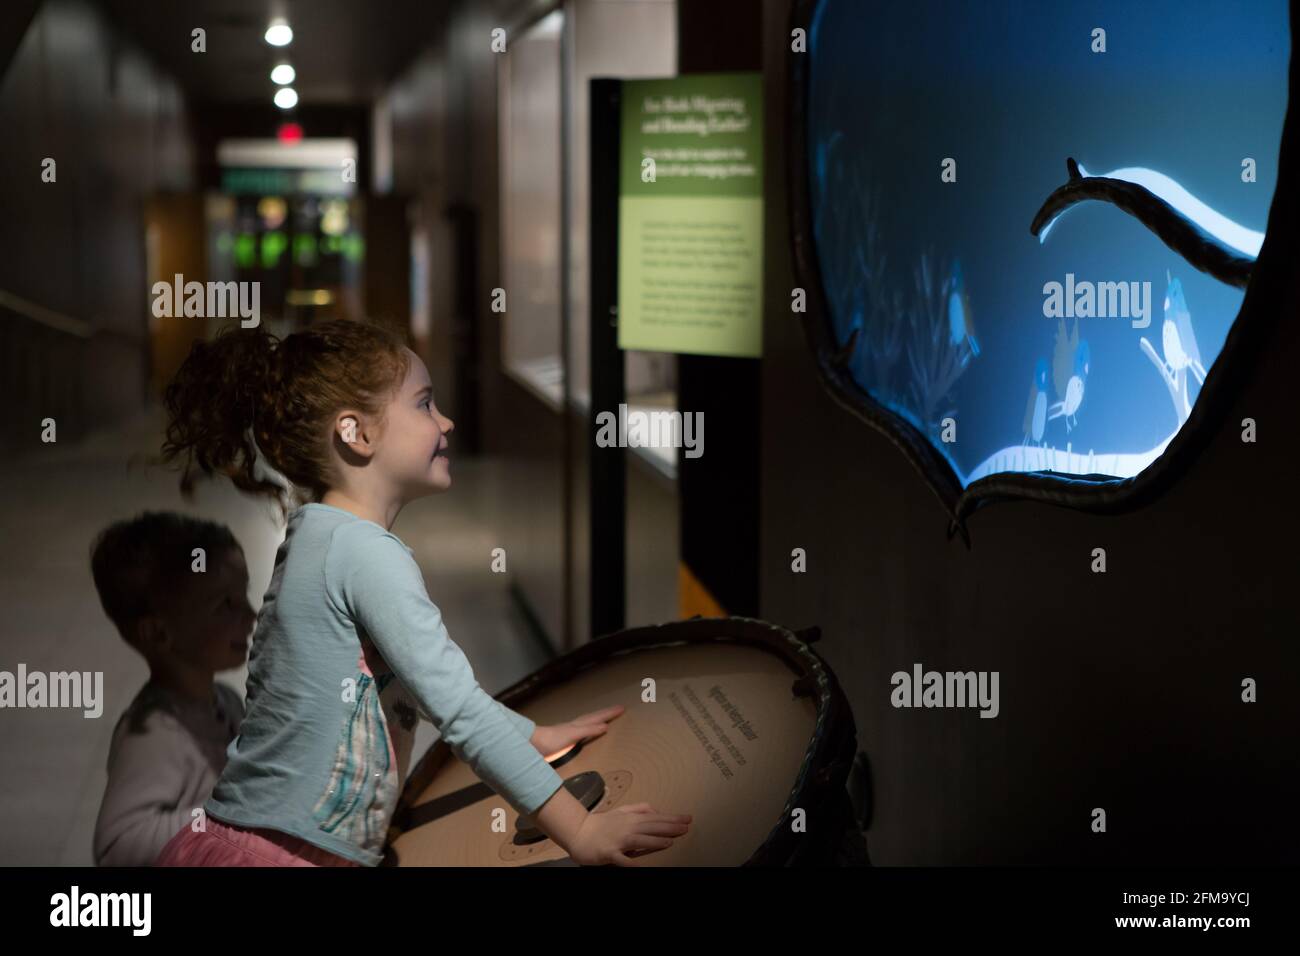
(691, 215)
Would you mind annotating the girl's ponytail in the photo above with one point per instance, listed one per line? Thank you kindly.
(223, 391)
(247, 391)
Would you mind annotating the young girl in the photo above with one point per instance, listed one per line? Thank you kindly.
(345, 412)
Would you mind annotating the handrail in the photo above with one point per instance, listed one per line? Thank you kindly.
(58, 320)
(48, 317)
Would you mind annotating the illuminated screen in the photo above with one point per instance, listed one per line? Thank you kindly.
(936, 131)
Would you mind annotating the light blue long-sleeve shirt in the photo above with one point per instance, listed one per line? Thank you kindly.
(348, 647)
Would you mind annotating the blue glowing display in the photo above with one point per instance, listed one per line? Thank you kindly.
(935, 132)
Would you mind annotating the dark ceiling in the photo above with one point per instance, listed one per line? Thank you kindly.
(345, 51)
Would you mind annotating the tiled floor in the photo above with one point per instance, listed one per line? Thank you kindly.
(52, 762)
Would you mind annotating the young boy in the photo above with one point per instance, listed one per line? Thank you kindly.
(169, 746)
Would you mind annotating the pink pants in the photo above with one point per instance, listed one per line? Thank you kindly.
(223, 844)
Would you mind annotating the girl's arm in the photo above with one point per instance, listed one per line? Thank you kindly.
(373, 578)
(524, 725)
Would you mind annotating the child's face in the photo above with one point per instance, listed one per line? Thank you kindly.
(208, 622)
(414, 445)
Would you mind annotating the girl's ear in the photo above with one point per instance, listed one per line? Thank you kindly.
(348, 429)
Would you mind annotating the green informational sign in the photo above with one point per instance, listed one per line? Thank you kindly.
(690, 228)
(243, 180)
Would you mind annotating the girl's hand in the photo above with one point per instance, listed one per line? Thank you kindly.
(552, 739)
(618, 835)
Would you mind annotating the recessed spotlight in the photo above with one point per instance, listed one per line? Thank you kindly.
(278, 33)
(286, 98)
(283, 74)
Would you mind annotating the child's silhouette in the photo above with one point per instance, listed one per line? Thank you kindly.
(188, 615)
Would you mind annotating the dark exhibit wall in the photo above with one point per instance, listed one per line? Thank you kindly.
(1118, 690)
(719, 494)
(83, 252)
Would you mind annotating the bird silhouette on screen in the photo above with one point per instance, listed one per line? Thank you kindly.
(1036, 410)
(960, 326)
(1071, 362)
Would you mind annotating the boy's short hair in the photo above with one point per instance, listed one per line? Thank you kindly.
(135, 559)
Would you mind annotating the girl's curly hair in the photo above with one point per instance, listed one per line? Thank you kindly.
(248, 391)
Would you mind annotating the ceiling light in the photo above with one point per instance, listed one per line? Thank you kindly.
(278, 33)
(283, 74)
(286, 98)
